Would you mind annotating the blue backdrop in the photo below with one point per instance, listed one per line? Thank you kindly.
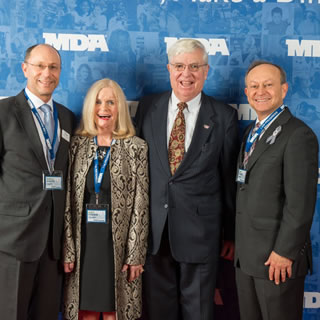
(127, 40)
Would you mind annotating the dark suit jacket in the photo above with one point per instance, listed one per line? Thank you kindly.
(275, 206)
(26, 210)
(202, 191)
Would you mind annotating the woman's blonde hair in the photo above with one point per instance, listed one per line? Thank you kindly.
(124, 127)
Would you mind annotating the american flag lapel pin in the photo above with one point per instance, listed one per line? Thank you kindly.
(206, 126)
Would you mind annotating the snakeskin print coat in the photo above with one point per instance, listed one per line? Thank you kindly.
(130, 218)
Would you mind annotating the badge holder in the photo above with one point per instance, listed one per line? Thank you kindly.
(241, 176)
(97, 213)
(53, 180)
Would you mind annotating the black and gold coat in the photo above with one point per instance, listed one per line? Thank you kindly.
(130, 219)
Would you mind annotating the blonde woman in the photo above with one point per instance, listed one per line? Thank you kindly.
(106, 218)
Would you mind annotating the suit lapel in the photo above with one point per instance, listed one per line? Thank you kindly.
(25, 118)
(159, 130)
(62, 152)
(204, 127)
(262, 144)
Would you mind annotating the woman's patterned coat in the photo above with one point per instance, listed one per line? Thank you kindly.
(130, 218)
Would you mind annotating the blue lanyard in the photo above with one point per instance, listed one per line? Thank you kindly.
(98, 174)
(50, 145)
(252, 138)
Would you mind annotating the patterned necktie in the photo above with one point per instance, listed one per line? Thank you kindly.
(177, 138)
(248, 154)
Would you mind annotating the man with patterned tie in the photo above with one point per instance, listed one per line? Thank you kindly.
(277, 188)
(193, 146)
(35, 133)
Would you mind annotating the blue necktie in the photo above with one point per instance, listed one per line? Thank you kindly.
(48, 120)
(49, 124)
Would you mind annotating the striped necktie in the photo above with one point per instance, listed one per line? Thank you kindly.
(249, 153)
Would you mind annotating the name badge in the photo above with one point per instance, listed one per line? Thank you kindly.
(241, 176)
(53, 180)
(97, 213)
(65, 135)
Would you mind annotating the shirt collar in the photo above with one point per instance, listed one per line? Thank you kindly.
(37, 101)
(262, 121)
(192, 104)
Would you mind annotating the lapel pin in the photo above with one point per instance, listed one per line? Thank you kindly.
(206, 126)
(272, 138)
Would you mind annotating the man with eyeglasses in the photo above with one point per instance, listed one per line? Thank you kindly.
(35, 134)
(193, 147)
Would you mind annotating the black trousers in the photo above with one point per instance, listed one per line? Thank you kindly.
(175, 290)
(30, 290)
(262, 299)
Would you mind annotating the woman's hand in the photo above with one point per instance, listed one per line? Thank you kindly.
(133, 271)
(68, 267)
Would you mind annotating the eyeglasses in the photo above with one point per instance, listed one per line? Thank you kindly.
(193, 67)
(42, 67)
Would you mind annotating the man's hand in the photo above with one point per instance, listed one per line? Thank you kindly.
(227, 251)
(279, 267)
